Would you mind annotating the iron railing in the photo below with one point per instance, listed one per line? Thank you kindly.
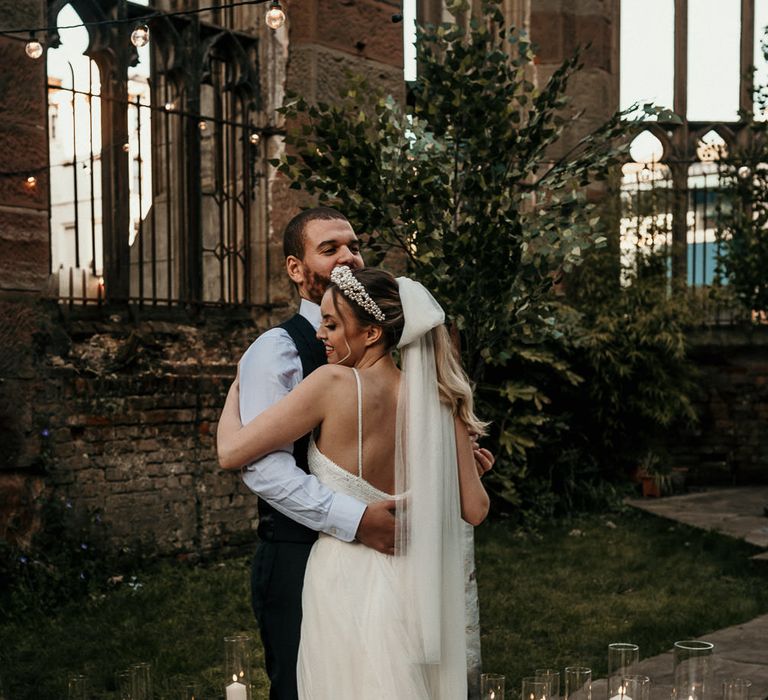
(157, 169)
(677, 220)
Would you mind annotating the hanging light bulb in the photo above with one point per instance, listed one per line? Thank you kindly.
(275, 17)
(33, 48)
(140, 36)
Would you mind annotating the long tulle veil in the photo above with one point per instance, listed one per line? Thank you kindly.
(429, 536)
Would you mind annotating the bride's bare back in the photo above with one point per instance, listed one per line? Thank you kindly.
(337, 438)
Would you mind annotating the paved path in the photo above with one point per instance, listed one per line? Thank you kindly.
(736, 512)
(741, 651)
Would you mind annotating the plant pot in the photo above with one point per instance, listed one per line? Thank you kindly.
(651, 487)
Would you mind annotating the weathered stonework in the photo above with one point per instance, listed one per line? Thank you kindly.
(103, 407)
(121, 418)
(730, 444)
(558, 29)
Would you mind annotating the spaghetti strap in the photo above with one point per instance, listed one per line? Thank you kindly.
(359, 424)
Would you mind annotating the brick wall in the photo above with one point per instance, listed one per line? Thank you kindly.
(115, 413)
(122, 418)
(730, 445)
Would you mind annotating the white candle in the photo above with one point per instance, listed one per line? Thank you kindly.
(236, 691)
(621, 696)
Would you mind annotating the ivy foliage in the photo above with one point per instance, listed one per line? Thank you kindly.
(742, 211)
(743, 223)
(474, 187)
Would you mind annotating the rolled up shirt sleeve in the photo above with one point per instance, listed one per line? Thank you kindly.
(269, 369)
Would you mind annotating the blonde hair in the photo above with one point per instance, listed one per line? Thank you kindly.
(453, 382)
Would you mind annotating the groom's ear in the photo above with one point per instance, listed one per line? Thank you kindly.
(373, 335)
(295, 269)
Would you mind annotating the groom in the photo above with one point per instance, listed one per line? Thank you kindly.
(293, 504)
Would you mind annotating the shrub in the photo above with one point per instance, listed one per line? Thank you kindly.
(70, 558)
(464, 187)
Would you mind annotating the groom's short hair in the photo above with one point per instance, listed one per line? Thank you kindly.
(293, 238)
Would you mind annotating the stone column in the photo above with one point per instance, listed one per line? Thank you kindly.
(558, 27)
(517, 13)
(24, 264)
(323, 41)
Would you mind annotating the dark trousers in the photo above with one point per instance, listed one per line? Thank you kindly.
(277, 579)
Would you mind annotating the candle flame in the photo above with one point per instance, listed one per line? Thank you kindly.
(234, 678)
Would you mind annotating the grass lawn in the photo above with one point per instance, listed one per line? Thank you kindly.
(554, 599)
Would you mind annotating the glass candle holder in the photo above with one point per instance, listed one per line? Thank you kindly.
(142, 681)
(189, 691)
(237, 667)
(693, 670)
(736, 689)
(491, 686)
(622, 658)
(552, 676)
(124, 680)
(78, 687)
(535, 688)
(578, 683)
(635, 688)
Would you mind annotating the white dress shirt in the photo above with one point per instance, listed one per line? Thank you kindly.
(269, 369)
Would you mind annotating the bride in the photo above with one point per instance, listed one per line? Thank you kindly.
(377, 626)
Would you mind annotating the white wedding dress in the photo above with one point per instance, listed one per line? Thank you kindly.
(353, 634)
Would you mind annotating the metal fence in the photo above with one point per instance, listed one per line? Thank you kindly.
(156, 169)
(677, 224)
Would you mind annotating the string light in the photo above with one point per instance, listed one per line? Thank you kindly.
(275, 17)
(140, 36)
(255, 139)
(133, 20)
(31, 183)
(33, 48)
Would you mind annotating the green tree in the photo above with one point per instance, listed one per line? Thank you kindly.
(743, 211)
(743, 223)
(464, 185)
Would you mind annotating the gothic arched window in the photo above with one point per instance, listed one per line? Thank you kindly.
(162, 206)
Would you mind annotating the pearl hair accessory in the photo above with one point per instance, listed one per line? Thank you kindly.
(343, 278)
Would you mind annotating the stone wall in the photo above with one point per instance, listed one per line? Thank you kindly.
(118, 415)
(123, 423)
(558, 29)
(23, 262)
(730, 444)
(112, 409)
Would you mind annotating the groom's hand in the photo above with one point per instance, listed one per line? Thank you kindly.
(377, 527)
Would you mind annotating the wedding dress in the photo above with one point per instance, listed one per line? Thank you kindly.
(380, 627)
(354, 634)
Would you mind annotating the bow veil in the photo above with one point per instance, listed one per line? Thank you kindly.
(429, 535)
